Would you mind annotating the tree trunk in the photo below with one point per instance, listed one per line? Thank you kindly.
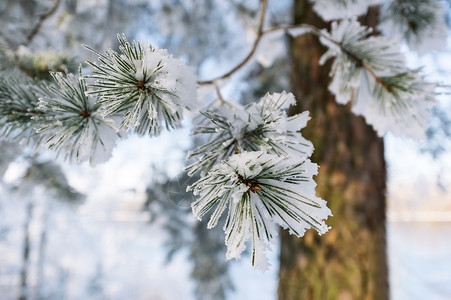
(348, 262)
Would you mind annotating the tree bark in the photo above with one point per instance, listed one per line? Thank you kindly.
(348, 262)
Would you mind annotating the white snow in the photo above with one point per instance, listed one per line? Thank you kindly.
(246, 182)
(404, 107)
(429, 33)
(143, 86)
(342, 9)
(261, 125)
(66, 131)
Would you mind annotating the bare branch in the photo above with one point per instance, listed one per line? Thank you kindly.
(251, 53)
(45, 16)
(218, 92)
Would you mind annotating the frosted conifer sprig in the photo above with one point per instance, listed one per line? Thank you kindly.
(72, 124)
(354, 52)
(18, 104)
(420, 22)
(403, 109)
(143, 86)
(371, 72)
(258, 126)
(260, 191)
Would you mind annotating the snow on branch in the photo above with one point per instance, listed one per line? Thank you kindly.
(38, 64)
(421, 23)
(371, 72)
(255, 162)
(263, 125)
(72, 123)
(18, 104)
(143, 86)
(260, 191)
(342, 9)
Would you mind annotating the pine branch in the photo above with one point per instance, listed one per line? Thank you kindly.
(18, 106)
(260, 190)
(371, 72)
(72, 124)
(257, 126)
(39, 64)
(143, 86)
(402, 105)
(421, 23)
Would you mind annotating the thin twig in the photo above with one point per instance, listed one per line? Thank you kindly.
(309, 29)
(379, 80)
(41, 20)
(319, 33)
(218, 92)
(260, 34)
(251, 53)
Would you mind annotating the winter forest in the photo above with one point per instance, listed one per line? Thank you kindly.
(225, 149)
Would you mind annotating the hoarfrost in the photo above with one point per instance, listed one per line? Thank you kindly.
(294, 32)
(261, 190)
(72, 124)
(258, 126)
(342, 9)
(408, 118)
(421, 24)
(371, 72)
(145, 86)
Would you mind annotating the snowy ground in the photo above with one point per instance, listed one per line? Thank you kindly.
(420, 264)
(107, 249)
(128, 261)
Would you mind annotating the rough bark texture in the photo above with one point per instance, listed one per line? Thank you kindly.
(348, 262)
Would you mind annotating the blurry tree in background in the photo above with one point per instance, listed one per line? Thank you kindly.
(349, 262)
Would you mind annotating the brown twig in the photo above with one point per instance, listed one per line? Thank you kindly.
(309, 29)
(260, 34)
(319, 33)
(250, 54)
(41, 20)
(218, 92)
(379, 80)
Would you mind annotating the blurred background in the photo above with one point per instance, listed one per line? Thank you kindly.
(124, 229)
